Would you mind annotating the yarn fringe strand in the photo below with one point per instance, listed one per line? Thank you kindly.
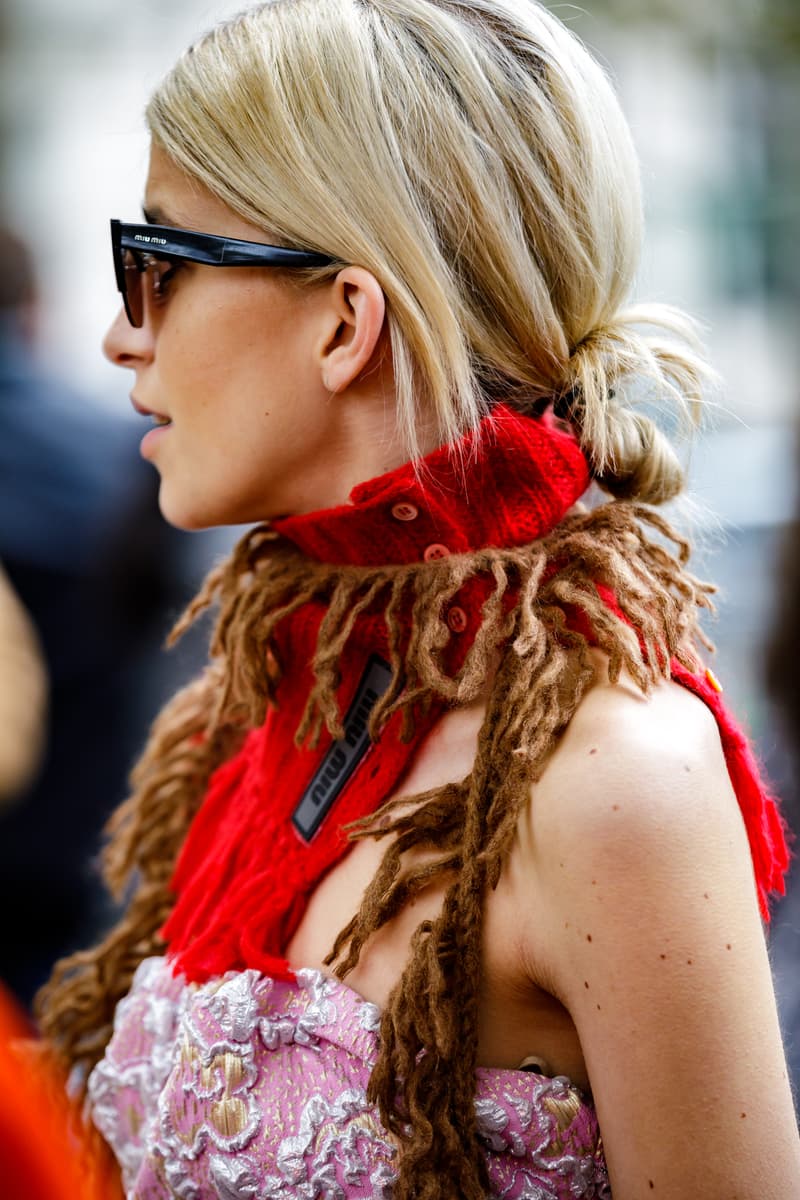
(605, 580)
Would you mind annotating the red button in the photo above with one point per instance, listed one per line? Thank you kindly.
(405, 511)
(457, 619)
(434, 551)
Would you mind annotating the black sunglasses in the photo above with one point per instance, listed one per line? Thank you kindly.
(150, 251)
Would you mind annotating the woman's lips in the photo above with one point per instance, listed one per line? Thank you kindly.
(150, 441)
(159, 418)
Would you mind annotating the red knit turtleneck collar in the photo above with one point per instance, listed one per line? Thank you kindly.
(245, 872)
(506, 485)
(247, 867)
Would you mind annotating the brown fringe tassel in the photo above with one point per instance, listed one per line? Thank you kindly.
(423, 1082)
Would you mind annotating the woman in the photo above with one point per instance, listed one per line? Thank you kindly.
(550, 915)
(23, 696)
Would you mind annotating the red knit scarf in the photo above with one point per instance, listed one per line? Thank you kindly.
(245, 874)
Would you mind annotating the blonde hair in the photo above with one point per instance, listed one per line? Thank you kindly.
(472, 156)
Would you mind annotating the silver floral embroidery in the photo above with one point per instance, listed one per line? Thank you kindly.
(524, 1187)
(234, 1179)
(235, 1005)
(159, 1021)
(303, 1025)
(523, 1109)
(382, 1181)
(316, 1111)
(145, 1078)
(192, 1098)
(492, 1118)
(370, 1018)
(204, 1095)
(180, 1181)
(105, 1083)
(331, 1133)
(320, 1011)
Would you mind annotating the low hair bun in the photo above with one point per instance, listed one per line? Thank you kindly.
(642, 464)
(615, 367)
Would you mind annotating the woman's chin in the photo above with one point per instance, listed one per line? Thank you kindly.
(184, 513)
(191, 512)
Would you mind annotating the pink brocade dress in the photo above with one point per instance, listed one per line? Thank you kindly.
(247, 1088)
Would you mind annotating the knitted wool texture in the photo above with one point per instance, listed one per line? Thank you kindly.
(457, 585)
(245, 874)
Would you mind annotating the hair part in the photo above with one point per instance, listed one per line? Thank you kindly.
(474, 158)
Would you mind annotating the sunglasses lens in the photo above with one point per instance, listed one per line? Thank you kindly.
(133, 295)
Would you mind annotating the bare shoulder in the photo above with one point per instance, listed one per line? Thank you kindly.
(636, 806)
(634, 869)
(631, 764)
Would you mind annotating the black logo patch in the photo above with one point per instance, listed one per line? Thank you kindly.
(343, 756)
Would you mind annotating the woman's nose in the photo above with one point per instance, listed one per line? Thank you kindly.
(125, 346)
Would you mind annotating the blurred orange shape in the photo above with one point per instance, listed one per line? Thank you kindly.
(46, 1153)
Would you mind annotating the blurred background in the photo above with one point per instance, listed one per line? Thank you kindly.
(712, 92)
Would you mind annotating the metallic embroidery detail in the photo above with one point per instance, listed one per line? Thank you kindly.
(370, 1017)
(330, 1134)
(124, 1096)
(248, 1088)
(235, 1004)
(231, 1119)
(234, 1178)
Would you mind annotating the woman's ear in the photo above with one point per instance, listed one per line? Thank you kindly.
(351, 342)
